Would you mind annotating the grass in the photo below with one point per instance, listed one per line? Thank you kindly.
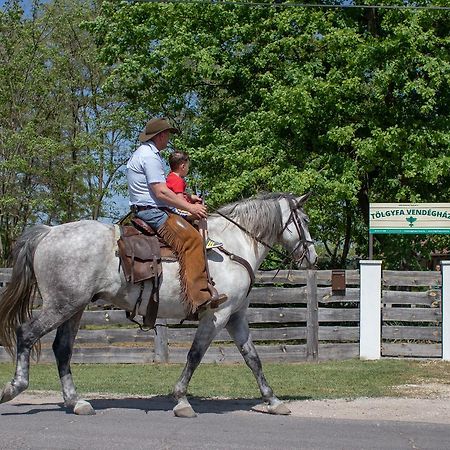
(342, 379)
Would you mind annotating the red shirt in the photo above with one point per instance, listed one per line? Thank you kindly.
(177, 184)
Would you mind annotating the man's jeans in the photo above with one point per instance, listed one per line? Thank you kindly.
(155, 217)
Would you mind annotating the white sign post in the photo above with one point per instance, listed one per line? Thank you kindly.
(370, 310)
(445, 268)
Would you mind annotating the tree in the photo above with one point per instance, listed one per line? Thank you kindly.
(23, 121)
(350, 104)
(62, 140)
(94, 129)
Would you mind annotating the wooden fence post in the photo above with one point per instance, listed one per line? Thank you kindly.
(312, 319)
(445, 270)
(370, 310)
(161, 342)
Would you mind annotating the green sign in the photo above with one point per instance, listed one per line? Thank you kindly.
(409, 218)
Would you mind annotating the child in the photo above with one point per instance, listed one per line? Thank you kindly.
(179, 168)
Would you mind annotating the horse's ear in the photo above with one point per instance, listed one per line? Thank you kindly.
(302, 199)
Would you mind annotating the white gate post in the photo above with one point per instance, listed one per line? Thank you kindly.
(370, 310)
(445, 268)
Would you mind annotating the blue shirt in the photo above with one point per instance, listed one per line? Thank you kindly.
(145, 167)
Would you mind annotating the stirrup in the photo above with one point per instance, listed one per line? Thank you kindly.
(214, 302)
(216, 299)
(211, 243)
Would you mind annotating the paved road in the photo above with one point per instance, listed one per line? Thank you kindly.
(221, 424)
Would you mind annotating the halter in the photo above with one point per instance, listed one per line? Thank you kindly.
(293, 217)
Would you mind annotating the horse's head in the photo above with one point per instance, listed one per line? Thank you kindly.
(295, 233)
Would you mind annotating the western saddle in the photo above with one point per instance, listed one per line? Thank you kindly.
(141, 253)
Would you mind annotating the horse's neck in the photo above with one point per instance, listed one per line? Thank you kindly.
(237, 241)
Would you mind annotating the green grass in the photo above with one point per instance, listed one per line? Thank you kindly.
(343, 379)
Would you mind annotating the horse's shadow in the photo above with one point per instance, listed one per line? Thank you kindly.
(166, 403)
(157, 403)
(161, 403)
(199, 404)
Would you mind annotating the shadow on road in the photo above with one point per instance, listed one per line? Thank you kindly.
(166, 403)
(150, 404)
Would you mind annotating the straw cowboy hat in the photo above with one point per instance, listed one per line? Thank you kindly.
(155, 126)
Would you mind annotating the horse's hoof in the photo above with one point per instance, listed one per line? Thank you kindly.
(83, 408)
(7, 393)
(279, 409)
(184, 410)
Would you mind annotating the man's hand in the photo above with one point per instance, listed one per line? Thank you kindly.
(196, 199)
(197, 210)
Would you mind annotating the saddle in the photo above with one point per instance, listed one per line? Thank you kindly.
(141, 253)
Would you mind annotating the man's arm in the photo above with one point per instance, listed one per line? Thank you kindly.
(164, 194)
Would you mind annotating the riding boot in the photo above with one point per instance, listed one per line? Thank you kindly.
(188, 244)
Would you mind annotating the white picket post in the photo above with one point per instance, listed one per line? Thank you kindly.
(445, 268)
(370, 310)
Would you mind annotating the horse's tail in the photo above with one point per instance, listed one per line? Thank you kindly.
(15, 300)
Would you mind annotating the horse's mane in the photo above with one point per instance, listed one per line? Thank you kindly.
(261, 215)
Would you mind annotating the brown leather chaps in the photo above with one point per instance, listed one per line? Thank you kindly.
(187, 243)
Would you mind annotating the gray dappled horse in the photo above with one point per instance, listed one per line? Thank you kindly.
(76, 263)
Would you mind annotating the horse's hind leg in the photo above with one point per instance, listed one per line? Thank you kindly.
(62, 348)
(27, 335)
(239, 331)
(21, 378)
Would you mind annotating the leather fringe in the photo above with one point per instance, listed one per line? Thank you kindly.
(170, 238)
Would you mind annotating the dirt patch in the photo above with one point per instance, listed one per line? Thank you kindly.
(428, 390)
(378, 409)
(416, 403)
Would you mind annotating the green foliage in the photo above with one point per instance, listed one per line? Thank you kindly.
(352, 105)
(60, 134)
(349, 104)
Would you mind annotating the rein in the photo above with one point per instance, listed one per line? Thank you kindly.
(293, 217)
(250, 234)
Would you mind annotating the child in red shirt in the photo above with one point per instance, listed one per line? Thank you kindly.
(179, 168)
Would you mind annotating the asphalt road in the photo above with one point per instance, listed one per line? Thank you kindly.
(221, 424)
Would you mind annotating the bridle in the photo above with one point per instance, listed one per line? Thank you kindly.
(294, 217)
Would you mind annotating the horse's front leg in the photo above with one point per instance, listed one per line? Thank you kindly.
(210, 324)
(63, 348)
(239, 331)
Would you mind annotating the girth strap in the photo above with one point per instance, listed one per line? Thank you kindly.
(243, 262)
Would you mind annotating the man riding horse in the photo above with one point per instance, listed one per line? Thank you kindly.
(152, 201)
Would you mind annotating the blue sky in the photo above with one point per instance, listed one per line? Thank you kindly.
(25, 3)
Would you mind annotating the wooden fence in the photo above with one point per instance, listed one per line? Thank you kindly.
(294, 316)
(411, 314)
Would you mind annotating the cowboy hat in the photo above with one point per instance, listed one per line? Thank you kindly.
(155, 126)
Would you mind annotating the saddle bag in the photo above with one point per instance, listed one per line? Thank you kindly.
(140, 255)
(140, 258)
